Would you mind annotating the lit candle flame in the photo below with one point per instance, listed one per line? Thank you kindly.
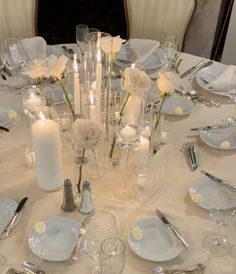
(32, 95)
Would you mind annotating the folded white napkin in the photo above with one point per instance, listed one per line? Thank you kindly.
(137, 50)
(226, 80)
(35, 47)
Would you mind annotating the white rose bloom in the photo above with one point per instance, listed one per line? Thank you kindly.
(136, 81)
(36, 69)
(87, 133)
(117, 43)
(164, 85)
(55, 66)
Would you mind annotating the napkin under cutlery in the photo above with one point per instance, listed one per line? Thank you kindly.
(190, 150)
(219, 126)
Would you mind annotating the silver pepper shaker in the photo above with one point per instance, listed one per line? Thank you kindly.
(86, 205)
(68, 204)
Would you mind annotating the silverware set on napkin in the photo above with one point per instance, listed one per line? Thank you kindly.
(27, 267)
(194, 69)
(190, 150)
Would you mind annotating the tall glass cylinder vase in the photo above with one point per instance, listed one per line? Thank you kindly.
(98, 77)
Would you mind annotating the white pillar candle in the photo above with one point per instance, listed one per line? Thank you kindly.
(141, 155)
(92, 111)
(47, 149)
(76, 85)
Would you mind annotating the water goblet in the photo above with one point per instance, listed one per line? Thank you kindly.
(102, 225)
(15, 55)
(112, 257)
(171, 47)
(217, 244)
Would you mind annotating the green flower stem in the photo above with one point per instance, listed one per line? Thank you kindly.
(80, 171)
(158, 115)
(120, 117)
(67, 98)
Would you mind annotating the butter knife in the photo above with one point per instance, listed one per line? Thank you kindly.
(210, 127)
(82, 231)
(177, 234)
(190, 70)
(11, 223)
(218, 180)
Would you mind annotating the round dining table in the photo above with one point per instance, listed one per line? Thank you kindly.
(171, 182)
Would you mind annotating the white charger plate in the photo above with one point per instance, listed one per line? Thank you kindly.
(175, 101)
(58, 241)
(7, 210)
(215, 137)
(207, 194)
(158, 243)
(5, 120)
(209, 74)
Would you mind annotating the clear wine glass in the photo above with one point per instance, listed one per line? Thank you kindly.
(217, 244)
(112, 257)
(232, 95)
(102, 225)
(15, 55)
(171, 48)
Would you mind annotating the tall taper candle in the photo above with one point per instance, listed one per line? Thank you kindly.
(47, 149)
(76, 85)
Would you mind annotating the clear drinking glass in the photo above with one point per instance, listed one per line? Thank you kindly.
(81, 31)
(14, 54)
(217, 244)
(112, 260)
(102, 225)
(171, 48)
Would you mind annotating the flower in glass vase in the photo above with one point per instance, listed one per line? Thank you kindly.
(136, 83)
(86, 136)
(166, 88)
(51, 67)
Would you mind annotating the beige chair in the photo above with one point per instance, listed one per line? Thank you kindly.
(152, 19)
(18, 18)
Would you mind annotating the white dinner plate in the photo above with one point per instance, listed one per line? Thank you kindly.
(209, 74)
(207, 194)
(57, 242)
(220, 138)
(7, 210)
(8, 116)
(158, 242)
(178, 105)
(154, 61)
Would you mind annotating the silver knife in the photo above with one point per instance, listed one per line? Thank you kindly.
(82, 231)
(210, 127)
(177, 234)
(199, 65)
(11, 223)
(218, 180)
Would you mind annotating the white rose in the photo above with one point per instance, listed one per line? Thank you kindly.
(87, 133)
(117, 43)
(55, 66)
(164, 85)
(36, 69)
(113, 46)
(136, 81)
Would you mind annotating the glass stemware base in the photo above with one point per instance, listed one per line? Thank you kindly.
(216, 246)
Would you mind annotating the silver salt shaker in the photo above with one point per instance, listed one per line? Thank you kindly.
(68, 204)
(86, 205)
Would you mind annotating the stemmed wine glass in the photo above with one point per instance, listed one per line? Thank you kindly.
(171, 47)
(218, 245)
(112, 257)
(232, 95)
(15, 55)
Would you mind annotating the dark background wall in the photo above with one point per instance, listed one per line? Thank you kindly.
(57, 19)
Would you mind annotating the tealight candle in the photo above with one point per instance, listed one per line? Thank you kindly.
(47, 149)
(128, 133)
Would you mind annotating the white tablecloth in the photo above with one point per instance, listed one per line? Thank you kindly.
(17, 181)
